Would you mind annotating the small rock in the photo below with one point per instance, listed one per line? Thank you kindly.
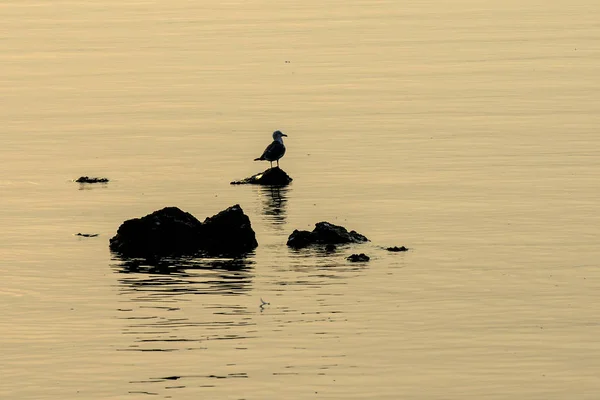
(362, 257)
(87, 179)
(324, 233)
(273, 176)
(396, 248)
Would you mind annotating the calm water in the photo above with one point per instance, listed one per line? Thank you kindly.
(467, 132)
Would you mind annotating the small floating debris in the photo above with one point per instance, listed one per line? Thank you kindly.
(87, 179)
(87, 234)
(397, 249)
(362, 257)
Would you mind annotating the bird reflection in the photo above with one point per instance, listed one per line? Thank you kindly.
(274, 203)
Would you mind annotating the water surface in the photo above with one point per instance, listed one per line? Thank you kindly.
(466, 131)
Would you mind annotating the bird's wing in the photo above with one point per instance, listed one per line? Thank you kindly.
(273, 151)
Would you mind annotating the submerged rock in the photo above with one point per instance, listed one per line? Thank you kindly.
(87, 179)
(396, 248)
(324, 233)
(362, 257)
(273, 176)
(173, 232)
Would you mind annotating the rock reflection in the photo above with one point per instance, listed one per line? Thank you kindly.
(163, 312)
(274, 203)
(317, 267)
(182, 306)
(88, 186)
(173, 277)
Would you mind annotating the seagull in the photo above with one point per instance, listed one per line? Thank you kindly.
(275, 150)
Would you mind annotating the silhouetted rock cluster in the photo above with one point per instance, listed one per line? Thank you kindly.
(362, 257)
(173, 232)
(273, 176)
(324, 233)
(87, 179)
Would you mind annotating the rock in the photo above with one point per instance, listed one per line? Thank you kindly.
(229, 231)
(169, 231)
(335, 234)
(324, 233)
(173, 232)
(299, 239)
(362, 257)
(87, 179)
(273, 176)
(396, 248)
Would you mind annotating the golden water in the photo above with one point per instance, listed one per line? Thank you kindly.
(467, 131)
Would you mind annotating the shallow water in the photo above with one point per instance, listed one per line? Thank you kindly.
(466, 132)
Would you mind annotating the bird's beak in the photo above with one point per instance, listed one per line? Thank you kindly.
(283, 134)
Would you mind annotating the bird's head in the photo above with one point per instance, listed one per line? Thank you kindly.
(278, 135)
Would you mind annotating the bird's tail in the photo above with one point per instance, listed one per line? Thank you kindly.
(259, 159)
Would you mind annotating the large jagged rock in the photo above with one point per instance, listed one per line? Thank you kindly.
(273, 176)
(173, 232)
(324, 233)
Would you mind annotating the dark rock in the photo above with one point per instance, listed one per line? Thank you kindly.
(335, 234)
(273, 176)
(396, 248)
(229, 231)
(362, 257)
(173, 232)
(330, 247)
(168, 231)
(324, 233)
(299, 239)
(87, 179)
